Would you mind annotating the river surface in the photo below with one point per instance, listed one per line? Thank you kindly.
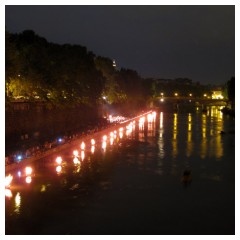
(132, 182)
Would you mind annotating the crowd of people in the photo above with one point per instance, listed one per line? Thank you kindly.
(41, 148)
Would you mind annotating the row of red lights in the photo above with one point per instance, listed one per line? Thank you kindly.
(58, 160)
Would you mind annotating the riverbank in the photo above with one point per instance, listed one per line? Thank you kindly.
(73, 142)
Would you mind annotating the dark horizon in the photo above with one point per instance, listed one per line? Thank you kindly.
(196, 42)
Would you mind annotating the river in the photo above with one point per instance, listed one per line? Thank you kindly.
(131, 181)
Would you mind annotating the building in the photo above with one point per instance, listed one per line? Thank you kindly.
(217, 95)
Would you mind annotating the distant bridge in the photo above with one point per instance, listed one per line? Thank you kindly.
(192, 100)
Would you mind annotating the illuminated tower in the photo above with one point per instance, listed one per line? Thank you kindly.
(114, 64)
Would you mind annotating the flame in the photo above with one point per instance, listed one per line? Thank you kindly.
(8, 192)
(8, 180)
(92, 141)
(59, 160)
(75, 153)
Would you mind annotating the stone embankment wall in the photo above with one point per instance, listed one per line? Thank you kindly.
(30, 122)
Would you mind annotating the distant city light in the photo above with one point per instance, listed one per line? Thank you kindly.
(114, 64)
(217, 95)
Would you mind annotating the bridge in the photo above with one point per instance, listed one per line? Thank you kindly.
(194, 100)
(186, 103)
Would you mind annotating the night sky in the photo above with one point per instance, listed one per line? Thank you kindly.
(197, 42)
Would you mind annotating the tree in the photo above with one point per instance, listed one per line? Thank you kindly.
(112, 90)
(63, 74)
(12, 61)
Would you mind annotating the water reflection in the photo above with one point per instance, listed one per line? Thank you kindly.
(217, 150)
(104, 146)
(93, 142)
(82, 155)
(129, 129)
(211, 142)
(58, 169)
(216, 147)
(17, 202)
(151, 125)
(204, 126)
(77, 168)
(43, 188)
(28, 179)
(141, 123)
(174, 139)
(77, 163)
(120, 133)
(161, 139)
(180, 137)
(204, 140)
(92, 149)
(189, 136)
(215, 112)
(111, 140)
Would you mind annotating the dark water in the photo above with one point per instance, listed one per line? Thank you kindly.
(135, 185)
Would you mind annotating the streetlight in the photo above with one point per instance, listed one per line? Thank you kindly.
(176, 94)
